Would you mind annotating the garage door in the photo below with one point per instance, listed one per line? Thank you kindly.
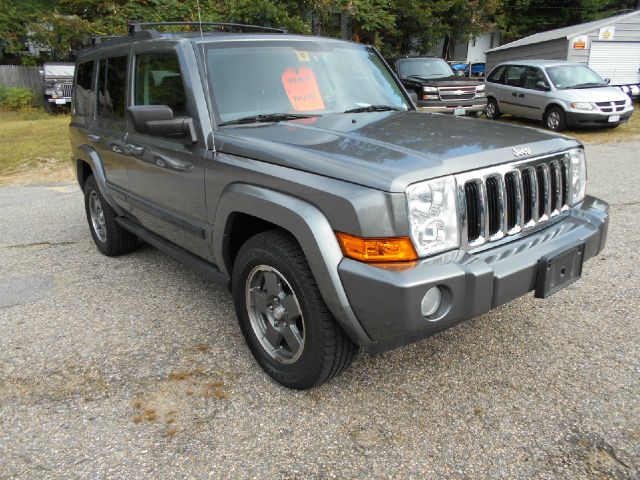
(619, 61)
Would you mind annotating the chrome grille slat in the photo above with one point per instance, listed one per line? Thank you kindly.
(66, 89)
(510, 199)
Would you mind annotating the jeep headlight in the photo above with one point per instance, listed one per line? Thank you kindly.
(429, 89)
(433, 215)
(57, 89)
(577, 175)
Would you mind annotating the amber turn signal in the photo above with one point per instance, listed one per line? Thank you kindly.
(393, 249)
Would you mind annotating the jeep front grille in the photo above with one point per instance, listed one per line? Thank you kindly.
(66, 90)
(506, 200)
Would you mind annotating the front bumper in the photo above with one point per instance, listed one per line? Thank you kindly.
(387, 301)
(577, 119)
(470, 106)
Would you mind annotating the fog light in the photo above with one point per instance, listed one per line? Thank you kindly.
(431, 301)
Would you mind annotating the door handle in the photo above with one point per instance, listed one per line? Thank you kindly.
(514, 94)
(521, 95)
(94, 138)
(135, 149)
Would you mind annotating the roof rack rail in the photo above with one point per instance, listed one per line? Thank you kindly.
(98, 39)
(135, 27)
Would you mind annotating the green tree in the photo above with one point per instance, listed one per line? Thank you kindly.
(520, 18)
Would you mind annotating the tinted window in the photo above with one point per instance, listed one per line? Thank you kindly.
(84, 88)
(495, 75)
(533, 76)
(112, 87)
(159, 82)
(514, 75)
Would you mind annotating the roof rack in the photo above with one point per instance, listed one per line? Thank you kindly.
(135, 27)
(98, 39)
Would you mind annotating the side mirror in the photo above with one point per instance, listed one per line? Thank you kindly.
(158, 120)
(543, 86)
(607, 80)
(460, 73)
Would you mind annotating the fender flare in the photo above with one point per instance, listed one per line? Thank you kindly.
(312, 231)
(89, 155)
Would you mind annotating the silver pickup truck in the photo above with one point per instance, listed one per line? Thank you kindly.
(296, 171)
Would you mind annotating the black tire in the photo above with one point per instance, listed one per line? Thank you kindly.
(555, 119)
(326, 350)
(493, 112)
(116, 240)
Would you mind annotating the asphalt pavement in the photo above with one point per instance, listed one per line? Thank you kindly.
(134, 367)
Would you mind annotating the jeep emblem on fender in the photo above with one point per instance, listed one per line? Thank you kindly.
(521, 152)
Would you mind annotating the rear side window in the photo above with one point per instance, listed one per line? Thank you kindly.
(84, 88)
(158, 81)
(112, 87)
(496, 74)
(514, 75)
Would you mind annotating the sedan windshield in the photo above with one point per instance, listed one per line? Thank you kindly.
(574, 76)
(272, 80)
(424, 67)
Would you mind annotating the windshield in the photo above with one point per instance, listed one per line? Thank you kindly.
(424, 67)
(574, 76)
(262, 78)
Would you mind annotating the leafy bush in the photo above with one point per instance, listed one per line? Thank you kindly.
(16, 98)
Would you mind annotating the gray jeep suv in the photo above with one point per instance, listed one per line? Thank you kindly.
(296, 171)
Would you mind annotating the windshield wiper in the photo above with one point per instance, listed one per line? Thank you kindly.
(373, 108)
(268, 117)
(589, 85)
(420, 77)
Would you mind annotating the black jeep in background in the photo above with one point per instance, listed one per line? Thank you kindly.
(438, 88)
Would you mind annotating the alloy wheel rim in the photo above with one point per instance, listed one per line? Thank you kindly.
(97, 216)
(275, 314)
(491, 109)
(553, 120)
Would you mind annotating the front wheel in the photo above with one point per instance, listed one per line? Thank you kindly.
(284, 320)
(493, 112)
(555, 119)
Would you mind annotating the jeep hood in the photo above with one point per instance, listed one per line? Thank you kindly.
(385, 150)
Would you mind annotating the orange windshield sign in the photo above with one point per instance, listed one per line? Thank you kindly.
(302, 89)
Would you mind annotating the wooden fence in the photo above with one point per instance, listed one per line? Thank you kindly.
(26, 77)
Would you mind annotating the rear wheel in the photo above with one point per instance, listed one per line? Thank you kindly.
(493, 112)
(110, 238)
(282, 315)
(555, 119)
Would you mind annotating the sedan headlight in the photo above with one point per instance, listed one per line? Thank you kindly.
(581, 106)
(577, 175)
(433, 215)
(429, 89)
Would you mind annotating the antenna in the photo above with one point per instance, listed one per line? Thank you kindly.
(206, 79)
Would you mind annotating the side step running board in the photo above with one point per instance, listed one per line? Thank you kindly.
(203, 267)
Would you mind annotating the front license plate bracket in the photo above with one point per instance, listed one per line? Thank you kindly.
(559, 269)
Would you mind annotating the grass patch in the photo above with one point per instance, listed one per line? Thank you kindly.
(34, 147)
(623, 133)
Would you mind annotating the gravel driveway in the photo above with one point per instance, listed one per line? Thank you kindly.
(134, 367)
